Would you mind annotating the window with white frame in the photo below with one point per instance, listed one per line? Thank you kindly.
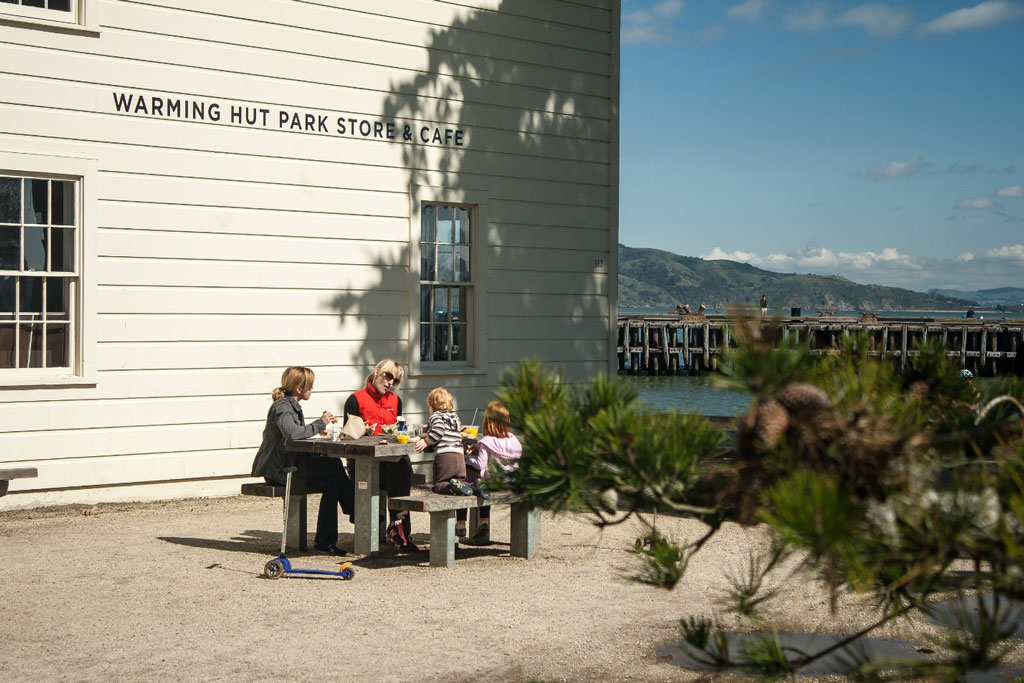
(39, 273)
(69, 14)
(446, 281)
(55, 5)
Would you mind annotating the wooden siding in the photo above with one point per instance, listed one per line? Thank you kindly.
(225, 252)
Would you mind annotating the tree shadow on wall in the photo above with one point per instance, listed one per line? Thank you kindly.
(536, 139)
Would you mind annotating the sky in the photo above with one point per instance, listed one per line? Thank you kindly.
(880, 141)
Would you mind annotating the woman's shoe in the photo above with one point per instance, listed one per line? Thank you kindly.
(398, 540)
(330, 549)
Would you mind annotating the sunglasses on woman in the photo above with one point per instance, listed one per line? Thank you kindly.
(389, 377)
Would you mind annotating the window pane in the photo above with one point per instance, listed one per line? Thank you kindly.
(56, 298)
(35, 201)
(61, 5)
(35, 248)
(62, 202)
(445, 263)
(440, 342)
(462, 225)
(10, 200)
(445, 228)
(462, 264)
(7, 298)
(6, 346)
(425, 342)
(31, 350)
(57, 346)
(62, 249)
(440, 304)
(427, 262)
(10, 248)
(425, 303)
(458, 342)
(31, 297)
(427, 227)
(457, 298)
(33, 3)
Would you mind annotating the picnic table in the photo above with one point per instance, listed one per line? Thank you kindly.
(6, 474)
(368, 452)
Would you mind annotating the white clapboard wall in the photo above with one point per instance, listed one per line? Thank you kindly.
(227, 250)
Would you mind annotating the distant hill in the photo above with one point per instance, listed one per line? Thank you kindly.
(656, 278)
(1002, 296)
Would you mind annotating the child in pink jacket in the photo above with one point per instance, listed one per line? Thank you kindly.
(498, 450)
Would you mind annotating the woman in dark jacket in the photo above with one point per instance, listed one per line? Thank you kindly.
(325, 475)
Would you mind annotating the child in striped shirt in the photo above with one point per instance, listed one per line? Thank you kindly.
(444, 434)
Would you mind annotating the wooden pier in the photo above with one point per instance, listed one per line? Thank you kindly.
(690, 344)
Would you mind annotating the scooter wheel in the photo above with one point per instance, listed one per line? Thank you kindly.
(347, 573)
(273, 569)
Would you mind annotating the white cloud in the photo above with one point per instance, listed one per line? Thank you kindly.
(1013, 252)
(750, 10)
(982, 15)
(718, 254)
(999, 267)
(975, 203)
(653, 25)
(877, 19)
(710, 34)
(814, 17)
(897, 169)
(1011, 192)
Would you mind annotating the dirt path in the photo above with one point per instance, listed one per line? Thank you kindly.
(174, 590)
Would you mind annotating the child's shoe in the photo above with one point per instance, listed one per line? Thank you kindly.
(460, 529)
(482, 535)
(458, 487)
(479, 488)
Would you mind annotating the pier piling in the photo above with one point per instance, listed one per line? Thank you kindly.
(674, 345)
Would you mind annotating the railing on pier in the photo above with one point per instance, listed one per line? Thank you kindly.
(690, 344)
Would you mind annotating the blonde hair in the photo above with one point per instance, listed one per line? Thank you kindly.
(440, 399)
(294, 380)
(496, 421)
(387, 365)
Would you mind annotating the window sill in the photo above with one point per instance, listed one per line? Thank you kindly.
(62, 26)
(33, 381)
(433, 370)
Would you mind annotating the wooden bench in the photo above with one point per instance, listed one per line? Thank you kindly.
(15, 473)
(296, 534)
(525, 523)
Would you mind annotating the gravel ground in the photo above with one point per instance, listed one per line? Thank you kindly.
(174, 590)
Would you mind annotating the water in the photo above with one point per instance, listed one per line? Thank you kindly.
(686, 393)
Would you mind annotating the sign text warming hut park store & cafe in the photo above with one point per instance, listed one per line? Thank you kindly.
(284, 119)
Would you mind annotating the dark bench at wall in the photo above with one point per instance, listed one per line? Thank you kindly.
(15, 473)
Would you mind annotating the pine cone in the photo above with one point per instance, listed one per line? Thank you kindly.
(772, 420)
(802, 397)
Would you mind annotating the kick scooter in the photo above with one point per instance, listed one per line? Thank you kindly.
(280, 566)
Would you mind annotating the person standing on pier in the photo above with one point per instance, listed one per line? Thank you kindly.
(764, 305)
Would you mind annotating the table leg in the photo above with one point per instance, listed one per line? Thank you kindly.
(367, 502)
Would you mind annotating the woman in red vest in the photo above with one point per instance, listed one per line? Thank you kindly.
(378, 405)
